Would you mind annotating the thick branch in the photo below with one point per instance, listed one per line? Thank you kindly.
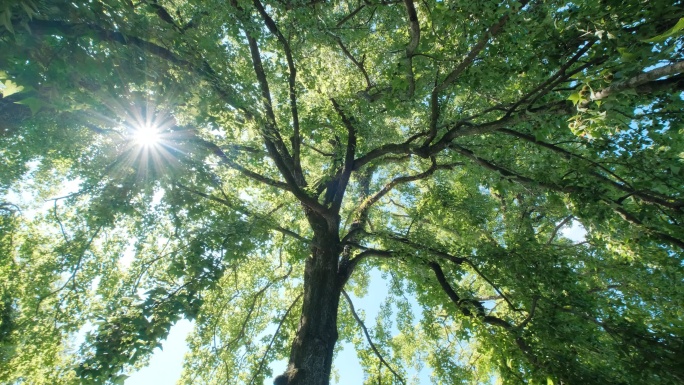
(641, 79)
(414, 32)
(273, 141)
(392, 148)
(347, 269)
(343, 179)
(462, 304)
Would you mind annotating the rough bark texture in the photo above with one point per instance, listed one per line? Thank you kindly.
(312, 350)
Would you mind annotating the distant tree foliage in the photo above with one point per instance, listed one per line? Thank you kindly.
(303, 147)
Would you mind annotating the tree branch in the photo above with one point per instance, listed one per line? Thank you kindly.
(270, 134)
(461, 304)
(491, 32)
(349, 16)
(368, 338)
(343, 179)
(414, 32)
(216, 150)
(558, 227)
(638, 80)
(636, 221)
(392, 148)
(561, 74)
(455, 260)
(275, 334)
(49, 27)
(359, 65)
(292, 76)
(346, 269)
(370, 201)
(245, 211)
(274, 143)
(465, 128)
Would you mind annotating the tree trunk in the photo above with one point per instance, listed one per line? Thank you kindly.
(312, 349)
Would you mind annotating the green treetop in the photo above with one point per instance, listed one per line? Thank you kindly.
(247, 164)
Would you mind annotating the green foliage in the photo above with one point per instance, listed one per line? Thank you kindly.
(452, 161)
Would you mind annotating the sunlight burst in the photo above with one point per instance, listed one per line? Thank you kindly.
(147, 135)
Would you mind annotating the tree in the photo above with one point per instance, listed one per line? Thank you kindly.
(301, 145)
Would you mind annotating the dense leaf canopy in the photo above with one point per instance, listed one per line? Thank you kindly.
(251, 164)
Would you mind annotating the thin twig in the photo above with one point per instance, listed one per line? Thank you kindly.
(368, 338)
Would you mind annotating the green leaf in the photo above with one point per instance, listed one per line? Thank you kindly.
(575, 98)
(10, 88)
(625, 55)
(120, 379)
(6, 20)
(670, 32)
(34, 104)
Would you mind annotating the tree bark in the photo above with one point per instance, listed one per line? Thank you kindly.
(312, 349)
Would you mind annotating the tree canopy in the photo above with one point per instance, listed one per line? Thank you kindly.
(247, 164)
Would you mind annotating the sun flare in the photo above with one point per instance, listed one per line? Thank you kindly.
(146, 135)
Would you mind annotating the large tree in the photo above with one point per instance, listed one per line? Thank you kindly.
(301, 145)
